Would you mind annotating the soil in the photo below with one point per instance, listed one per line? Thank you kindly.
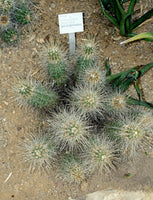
(15, 180)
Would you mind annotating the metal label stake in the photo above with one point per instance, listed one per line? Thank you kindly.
(71, 23)
(71, 44)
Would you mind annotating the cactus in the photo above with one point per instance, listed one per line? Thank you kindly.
(5, 22)
(7, 5)
(54, 58)
(89, 101)
(13, 14)
(68, 130)
(73, 171)
(145, 118)
(87, 55)
(22, 14)
(10, 36)
(133, 134)
(117, 103)
(93, 76)
(29, 92)
(38, 153)
(101, 156)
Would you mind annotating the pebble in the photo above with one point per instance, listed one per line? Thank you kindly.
(32, 38)
(53, 5)
(40, 40)
(6, 103)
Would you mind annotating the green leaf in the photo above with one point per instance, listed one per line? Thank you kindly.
(131, 6)
(127, 175)
(116, 76)
(120, 8)
(144, 69)
(133, 101)
(145, 35)
(108, 68)
(138, 90)
(141, 19)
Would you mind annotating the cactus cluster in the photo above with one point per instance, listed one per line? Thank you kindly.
(90, 127)
(13, 15)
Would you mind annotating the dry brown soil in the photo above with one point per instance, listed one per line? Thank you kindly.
(15, 180)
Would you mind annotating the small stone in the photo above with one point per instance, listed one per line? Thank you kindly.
(53, 5)
(70, 198)
(40, 40)
(110, 194)
(6, 103)
(4, 91)
(31, 38)
(98, 186)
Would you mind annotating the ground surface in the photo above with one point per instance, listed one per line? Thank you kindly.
(20, 60)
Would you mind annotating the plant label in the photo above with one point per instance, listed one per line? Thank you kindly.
(71, 23)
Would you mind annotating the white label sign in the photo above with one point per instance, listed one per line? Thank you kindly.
(71, 22)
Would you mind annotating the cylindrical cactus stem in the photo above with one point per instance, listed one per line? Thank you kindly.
(33, 93)
(87, 54)
(58, 73)
(54, 58)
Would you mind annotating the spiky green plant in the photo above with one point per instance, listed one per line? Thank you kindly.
(87, 54)
(93, 76)
(102, 156)
(145, 117)
(7, 5)
(5, 22)
(33, 93)
(133, 134)
(13, 15)
(10, 36)
(53, 56)
(37, 152)
(22, 14)
(88, 100)
(68, 130)
(73, 170)
(140, 36)
(117, 103)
